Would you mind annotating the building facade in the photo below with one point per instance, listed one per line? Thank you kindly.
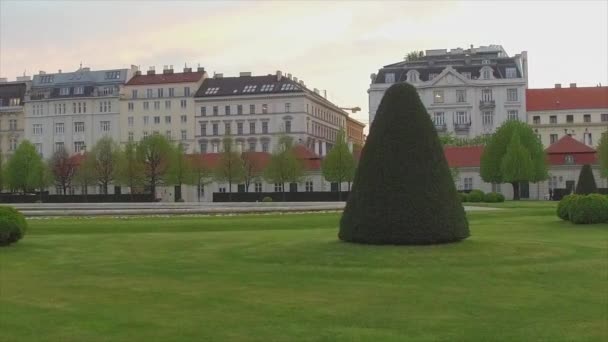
(12, 113)
(580, 112)
(257, 110)
(73, 110)
(467, 92)
(160, 103)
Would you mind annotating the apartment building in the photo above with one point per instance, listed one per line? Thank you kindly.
(161, 103)
(580, 112)
(467, 92)
(12, 99)
(257, 110)
(73, 110)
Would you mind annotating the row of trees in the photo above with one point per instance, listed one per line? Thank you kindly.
(155, 161)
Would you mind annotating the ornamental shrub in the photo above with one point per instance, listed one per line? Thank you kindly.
(586, 182)
(493, 197)
(563, 207)
(403, 192)
(266, 199)
(591, 208)
(476, 196)
(464, 197)
(12, 225)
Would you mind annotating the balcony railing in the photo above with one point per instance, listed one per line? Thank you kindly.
(462, 126)
(485, 104)
(441, 127)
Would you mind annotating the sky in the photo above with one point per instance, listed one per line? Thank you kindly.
(331, 45)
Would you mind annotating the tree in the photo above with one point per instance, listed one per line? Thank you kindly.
(230, 166)
(602, 152)
(179, 171)
(403, 192)
(586, 181)
(130, 169)
(84, 175)
(284, 165)
(42, 177)
(339, 164)
(494, 170)
(414, 55)
(2, 172)
(103, 158)
(201, 173)
(252, 168)
(154, 152)
(24, 167)
(63, 169)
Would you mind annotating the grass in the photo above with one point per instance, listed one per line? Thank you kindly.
(523, 275)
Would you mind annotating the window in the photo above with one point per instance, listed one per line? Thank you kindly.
(203, 127)
(287, 126)
(130, 136)
(46, 79)
(486, 74)
(112, 75)
(496, 187)
(215, 111)
(215, 129)
(267, 87)
(512, 94)
(258, 187)
(278, 187)
(309, 187)
(130, 106)
(13, 144)
(438, 96)
(249, 88)
(157, 120)
(183, 134)
(171, 92)
(569, 159)
(159, 92)
(183, 103)
(12, 124)
(184, 119)
(105, 126)
(468, 183)
(587, 138)
(146, 120)
(461, 118)
(156, 105)
(168, 135)
(552, 138)
(252, 128)
(486, 95)
(587, 118)
(239, 109)
(79, 127)
(215, 147)
(252, 109)
(570, 118)
(167, 119)
(461, 95)
(536, 120)
(37, 129)
(64, 91)
(389, 77)
(134, 93)
(264, 127)
(145, 134)
(439, 118)
(553, 119)
(264, 108)
(227, 110)
(167, 104)
(78, 90)
(511, 73)
(186, 91)
(211, 91)
(252, 146)
(227, 128)
(487, 118)
(38, 148)
(287, 107)
(149, 93)
(485, 61)
(203, 146)
(59, 128)
(265, 146)
(108, 90)
(59, 146)
(604, 117)
(78, 146)
(412, 76)
(239, 128)
(512, 115)
(146, 105)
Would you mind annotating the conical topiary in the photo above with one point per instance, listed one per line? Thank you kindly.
(403, 192)
(586, 182)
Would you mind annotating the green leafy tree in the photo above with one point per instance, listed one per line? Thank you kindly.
(24, 167)
(500, 146)
(284, 166)
(42, 177)
(339, 164)
(414, 56)
(179, 170)
(586, 181)
(230, 167)
(154, 153)
(103, 158)
(2, 172)
(602, 152)
(130, 169)
(403, 192)
(63, 169)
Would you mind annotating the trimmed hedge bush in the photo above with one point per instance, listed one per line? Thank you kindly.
(475, 196)
(563, 207)
(464, 197)
(586, 181)
(493, 197)
(266, 199)
(587, 209)
(403, 205)
(12, 225)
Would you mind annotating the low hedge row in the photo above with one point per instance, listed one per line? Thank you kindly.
(477, 196)
(12, 225)
(583, 209)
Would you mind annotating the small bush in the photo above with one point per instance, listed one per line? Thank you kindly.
(475, 196)
(587, 209)
(493, 197)
(464, 197)
(12, 225)
(563, 207)
(266, 199)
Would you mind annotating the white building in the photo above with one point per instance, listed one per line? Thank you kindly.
(73, 110)
(467, 92)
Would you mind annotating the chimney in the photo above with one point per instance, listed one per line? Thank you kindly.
(288, 76)
(244, 73)
(187, 70)
(279, 75)
(325, 93)
(168, 70)
(316, 91)
(59, 71)
(295, 79)
(138, 73)
(151, 71)
(41, 72)
(218, 76)
(558, 85)
(572, 85)
(302, 83)
(24, 78)
(200, 69)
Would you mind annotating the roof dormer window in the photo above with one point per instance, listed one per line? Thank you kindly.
(485, 62)
(389, 78)
(511, 73)
(64, 91)
(413, 76)
(569, 159)
(78, 90)
(486, 73)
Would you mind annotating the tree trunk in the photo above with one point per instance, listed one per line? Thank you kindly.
(229, 191)
(283, 191)
(339, 191)
(515, 191)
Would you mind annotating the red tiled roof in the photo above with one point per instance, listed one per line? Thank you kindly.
(180, 77)
(468, 156)
(568, 144)
(311, 161)
(566, 98)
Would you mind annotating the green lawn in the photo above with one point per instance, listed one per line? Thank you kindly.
(523, 275)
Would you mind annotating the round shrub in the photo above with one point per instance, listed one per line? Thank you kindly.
(266, 199)
(463, 197)
(493, 197)
(563, 207)
(591, 208)
(476, 196)
(12, 225)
